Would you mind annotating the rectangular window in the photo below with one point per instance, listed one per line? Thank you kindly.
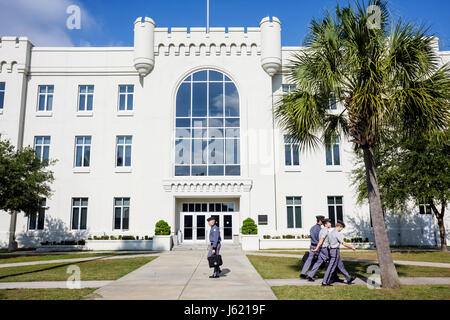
(42, 147)
(288, 88)
(335, 210)
(294, 212)
(2, 95)
(291, 153)
(36, 221)
(85, 98)
(79, 213)
(45, 98)
(333, 156)
(126, 97)
(262, 219)
(123, 151)
(82, 151)
(121, 213)
(332, 102)
(425, 209)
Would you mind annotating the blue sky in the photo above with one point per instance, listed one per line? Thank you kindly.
(110, 22)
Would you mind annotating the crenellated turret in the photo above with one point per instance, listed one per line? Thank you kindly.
(271, 45)
(144, 45)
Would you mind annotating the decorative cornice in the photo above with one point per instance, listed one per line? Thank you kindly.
(207, 186)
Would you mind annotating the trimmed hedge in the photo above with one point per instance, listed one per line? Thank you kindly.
(249, 226)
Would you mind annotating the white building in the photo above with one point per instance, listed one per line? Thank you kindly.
(177, 128)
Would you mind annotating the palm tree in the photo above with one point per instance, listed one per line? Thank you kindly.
(385, 76)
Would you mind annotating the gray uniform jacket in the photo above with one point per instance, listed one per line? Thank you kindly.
(335, 239)
(314, 233)
(324, 234)
(214, 236)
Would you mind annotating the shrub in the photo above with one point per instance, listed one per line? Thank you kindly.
(288, 236)
(162, 228)
(266, 237)
(128, 238)
(249, 227)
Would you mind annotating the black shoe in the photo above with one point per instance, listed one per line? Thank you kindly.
(326, 285)
(214, 276)
(310, 279)
(302, 276)
(349, 281)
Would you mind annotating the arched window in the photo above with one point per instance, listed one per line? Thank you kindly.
(207, 130)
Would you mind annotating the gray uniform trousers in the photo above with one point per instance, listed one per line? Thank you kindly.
(323, 256)
(308, 261)
(335, 262)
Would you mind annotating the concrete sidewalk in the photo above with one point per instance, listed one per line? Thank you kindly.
(399, 262)
(358, 281)
(182, 275)
(51, 284)
(33, 263)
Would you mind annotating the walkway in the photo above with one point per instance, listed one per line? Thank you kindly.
(183, 275)
(51, 284)
(399, 262)
(120, 256)
(360, 281)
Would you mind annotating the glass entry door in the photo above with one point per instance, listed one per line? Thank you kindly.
(194, 226)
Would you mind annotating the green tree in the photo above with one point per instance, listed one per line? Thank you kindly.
(162, 228)
(411, 170)
(24, 182)
(383, 77)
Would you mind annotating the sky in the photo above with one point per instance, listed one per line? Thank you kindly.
(110, 22)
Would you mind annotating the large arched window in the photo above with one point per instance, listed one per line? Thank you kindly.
(207, 130)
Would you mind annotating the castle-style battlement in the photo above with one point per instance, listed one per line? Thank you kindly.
(264, 41)
(14, 54)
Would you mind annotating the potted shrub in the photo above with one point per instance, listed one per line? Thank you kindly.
(250, 238)
(162, 241)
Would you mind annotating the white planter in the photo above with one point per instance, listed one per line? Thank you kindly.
(162, 243)
(284, 244)
(250, 242)
(64, 248)
(119, 245)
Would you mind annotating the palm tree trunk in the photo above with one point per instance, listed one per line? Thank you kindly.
(389, 276)
(12, 246)
(441, 224)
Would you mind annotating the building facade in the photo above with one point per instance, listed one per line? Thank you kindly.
(177, 128)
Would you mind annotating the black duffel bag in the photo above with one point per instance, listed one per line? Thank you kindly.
(306, 255)
(215, 260)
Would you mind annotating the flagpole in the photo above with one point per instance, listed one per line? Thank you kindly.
(207, 16)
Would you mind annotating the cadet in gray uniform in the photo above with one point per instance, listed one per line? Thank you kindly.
(335, 239)
(322, 248)
(314, 233)
(214, 239)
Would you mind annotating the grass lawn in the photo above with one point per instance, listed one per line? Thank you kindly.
(286, 268)
(45, 257)
(436, 256)
(90, 270)
(357, 292)
(45, 294)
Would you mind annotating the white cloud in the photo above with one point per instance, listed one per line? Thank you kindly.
(42, 21)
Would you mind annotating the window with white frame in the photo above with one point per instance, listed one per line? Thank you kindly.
(85, 98)
(288, 88)
(82, 151)
(45, 97)
(335, 209)
(291, 152)
(333, 156)
(332, 102)
(36, 221)
(123, 151)
(79, 213)
(121, 213)
(294, 212)
(207, 133)
(42, 147)
(126, 97)
(425, 209)
(2, 94)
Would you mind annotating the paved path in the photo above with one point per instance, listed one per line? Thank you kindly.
(183, 275)
(360, 281)
(51, 284)
(32, 263)
(399, 262)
